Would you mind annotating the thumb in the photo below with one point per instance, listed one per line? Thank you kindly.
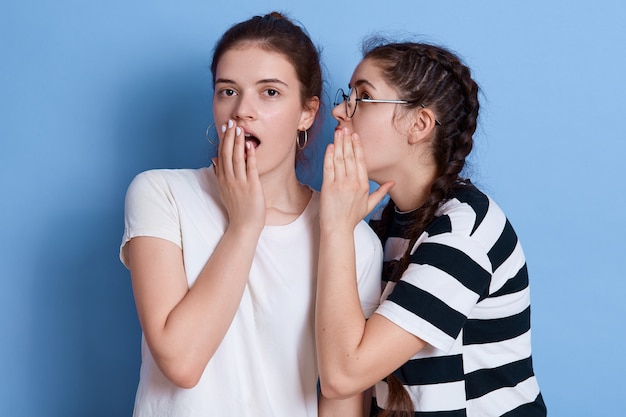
(378, 195)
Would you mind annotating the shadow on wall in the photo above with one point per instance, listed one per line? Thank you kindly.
(162, 119)
(86, 350)
(88, 341)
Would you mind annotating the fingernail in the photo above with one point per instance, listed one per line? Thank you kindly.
(223, 128)
(237, 131)
(230, 123)
(248, 145)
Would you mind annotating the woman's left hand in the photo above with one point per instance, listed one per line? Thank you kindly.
(240, 186)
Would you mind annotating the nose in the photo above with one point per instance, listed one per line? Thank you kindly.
(339, 112)
(244, 109)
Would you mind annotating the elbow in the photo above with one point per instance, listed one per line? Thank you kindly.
(184, 381)
(181, 367)
(339, 387)
(330, 391)
(182, 375)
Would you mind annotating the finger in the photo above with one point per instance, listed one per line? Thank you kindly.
(377, 196)
(239, 153)
(329, 165)
(251, 166)
(220, 145)
(226, 149)
(338, 159)
(348, 154)
(359, 158)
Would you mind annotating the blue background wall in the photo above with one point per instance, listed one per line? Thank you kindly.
(92, 93)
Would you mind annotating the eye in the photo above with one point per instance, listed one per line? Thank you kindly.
(272, 93)
(365, 95)
(227, 92)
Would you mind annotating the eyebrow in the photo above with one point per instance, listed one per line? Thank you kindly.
(361, 82)
(260, 82)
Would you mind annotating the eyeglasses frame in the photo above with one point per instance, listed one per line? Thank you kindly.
(368, 100)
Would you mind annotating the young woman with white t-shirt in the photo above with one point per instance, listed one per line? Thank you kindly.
(223, 259)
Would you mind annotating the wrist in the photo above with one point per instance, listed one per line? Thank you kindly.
(336, 230)
(244, 231)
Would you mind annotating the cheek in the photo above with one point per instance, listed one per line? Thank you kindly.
(371, 134)
(221, 113)
(370, 144)
(379, 150)
(279, 129)
(284, 122)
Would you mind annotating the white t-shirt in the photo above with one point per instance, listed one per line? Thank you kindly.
(266, 363)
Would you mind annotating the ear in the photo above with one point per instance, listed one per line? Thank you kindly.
(308, 113)
(423, 125)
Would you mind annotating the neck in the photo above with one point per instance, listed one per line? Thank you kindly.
(285, 197)
(412, 187)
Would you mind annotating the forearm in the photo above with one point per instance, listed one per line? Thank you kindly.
(340, 322)
(184, 329)
(347, 358)
(349, 407)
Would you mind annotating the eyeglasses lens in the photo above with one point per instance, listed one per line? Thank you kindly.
(351, 103)
(339, 97)
(349, 100)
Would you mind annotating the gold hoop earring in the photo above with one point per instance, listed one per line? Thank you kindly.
(299, 142)
(208, 137)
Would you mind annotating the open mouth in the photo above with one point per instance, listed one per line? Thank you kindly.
(252, 140)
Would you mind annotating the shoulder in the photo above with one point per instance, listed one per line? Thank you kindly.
(168, 188)
(473, 223)
(171, 175)
(166, 179)
(469, 209)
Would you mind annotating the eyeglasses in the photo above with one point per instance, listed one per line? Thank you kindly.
(352, 98)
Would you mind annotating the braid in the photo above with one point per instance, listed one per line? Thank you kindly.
(436, 78)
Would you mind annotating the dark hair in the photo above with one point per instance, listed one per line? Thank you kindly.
(275, 32)
(432, 76)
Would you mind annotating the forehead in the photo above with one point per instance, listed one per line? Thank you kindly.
(369, 74)
(366, 69)
(253, 62)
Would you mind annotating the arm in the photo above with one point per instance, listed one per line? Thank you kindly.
(353, 353)
(349, 407)
(184, 326)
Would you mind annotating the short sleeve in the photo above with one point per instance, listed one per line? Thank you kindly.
(447, 276)
(369, 263)
(150, 210)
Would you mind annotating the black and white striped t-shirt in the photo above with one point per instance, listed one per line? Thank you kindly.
(465, 293)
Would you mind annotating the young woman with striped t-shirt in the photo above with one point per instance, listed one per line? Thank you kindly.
(452, 334)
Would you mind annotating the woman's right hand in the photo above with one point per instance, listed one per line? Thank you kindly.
(345, 198)
(240, 186)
